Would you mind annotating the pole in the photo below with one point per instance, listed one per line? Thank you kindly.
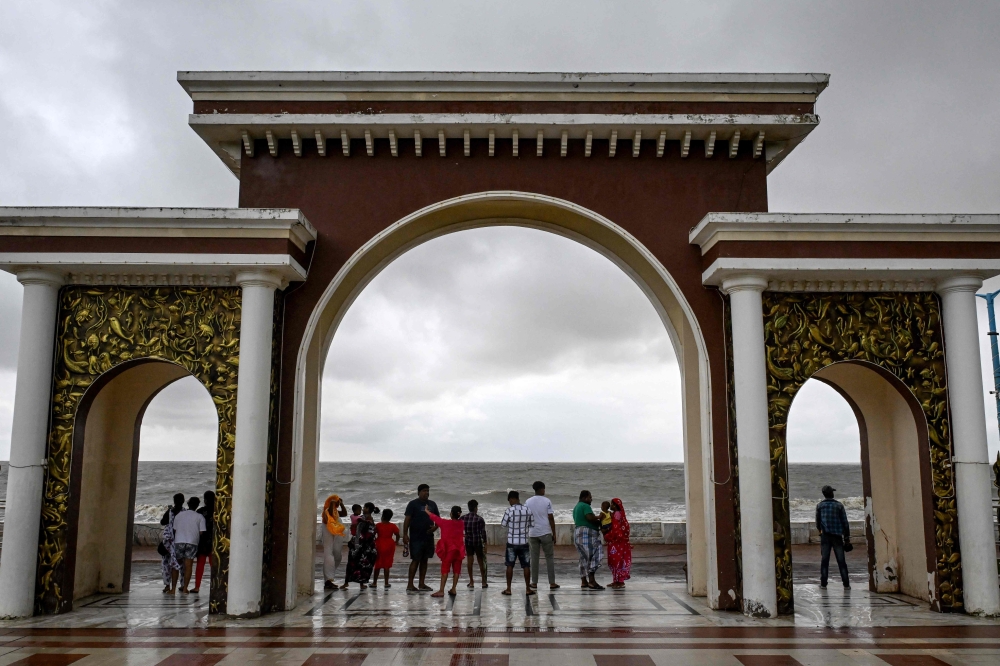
(993, 347)
(989, 298)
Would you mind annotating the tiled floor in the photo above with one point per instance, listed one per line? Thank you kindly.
(654, 621)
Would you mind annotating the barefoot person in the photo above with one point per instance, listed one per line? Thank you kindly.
(587, 537)
(333, 539)
(189, 525)
(619, 548)
(450, 548)
(541, 536)
(205, 542)
(418, 534)
(169, 566)
(361, 553)
(475, 541)
(386, 539)
(518, 520)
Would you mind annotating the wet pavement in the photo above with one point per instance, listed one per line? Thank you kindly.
(652, 621)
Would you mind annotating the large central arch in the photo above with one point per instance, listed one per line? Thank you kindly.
(508, 208)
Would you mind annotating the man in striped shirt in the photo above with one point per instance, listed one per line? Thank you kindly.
(518, 520)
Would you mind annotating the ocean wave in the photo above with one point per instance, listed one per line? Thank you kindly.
(149, 513)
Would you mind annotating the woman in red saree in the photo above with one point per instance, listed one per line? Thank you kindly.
(619, 548)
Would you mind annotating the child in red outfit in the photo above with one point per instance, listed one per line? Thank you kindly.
(450, 548)
(386, 538)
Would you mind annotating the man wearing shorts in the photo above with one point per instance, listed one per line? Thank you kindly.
(518, 520)
(189, 525)
(418, 534)
(475, 541)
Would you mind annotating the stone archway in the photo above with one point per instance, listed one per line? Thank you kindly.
(896, 478)
(127, 343)
(543, 213)
(898, 338)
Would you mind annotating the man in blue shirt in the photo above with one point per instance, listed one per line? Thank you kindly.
(834, 532)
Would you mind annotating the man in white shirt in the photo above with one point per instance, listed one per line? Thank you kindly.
(542, 534)
(188, 527)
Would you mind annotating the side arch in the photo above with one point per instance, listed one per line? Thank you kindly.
(103, 477)
(897, 336)
(104, 332)
(506, 208)
(896, 477)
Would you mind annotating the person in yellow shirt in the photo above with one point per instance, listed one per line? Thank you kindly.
(333, 538)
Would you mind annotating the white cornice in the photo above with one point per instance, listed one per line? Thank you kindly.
(498, 86)
(770, 227)
(158, 222)
(849, 274)
(150, 268)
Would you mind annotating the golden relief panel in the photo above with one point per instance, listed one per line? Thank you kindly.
(900, 333)
(100, 328)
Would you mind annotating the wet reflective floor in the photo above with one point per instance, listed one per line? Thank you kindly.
(652, 621)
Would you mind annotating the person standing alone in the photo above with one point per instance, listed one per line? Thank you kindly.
(541, 535)
(834, 533)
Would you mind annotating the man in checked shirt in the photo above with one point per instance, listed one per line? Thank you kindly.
(834, 532)
(517, 519)
(475, 541)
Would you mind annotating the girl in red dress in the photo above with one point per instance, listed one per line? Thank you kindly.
(386, 538)
(450, 548)
(619, 548)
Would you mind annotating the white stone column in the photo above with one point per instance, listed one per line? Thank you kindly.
(246, 539)
(968, 429)
(29, 432)
(750, 379)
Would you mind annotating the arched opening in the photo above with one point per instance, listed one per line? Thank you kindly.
(546, 214)
(895, 481)
(106, 496)
(486, 359)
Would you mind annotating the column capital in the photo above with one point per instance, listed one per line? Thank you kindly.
(746, 282)
(959, 283)
(260, 279)
(42, 276)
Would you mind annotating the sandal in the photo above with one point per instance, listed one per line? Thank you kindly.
(438, 595)
(506, 593)
(530, 592)
(595, 587)
(471, 585)
(452, 593)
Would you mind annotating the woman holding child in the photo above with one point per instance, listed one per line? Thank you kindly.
(361, 552)
(619, 548)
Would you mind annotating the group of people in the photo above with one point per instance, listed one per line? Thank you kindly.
(187, 538)
(530, 527)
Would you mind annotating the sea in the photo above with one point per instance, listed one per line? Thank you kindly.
(651, 492)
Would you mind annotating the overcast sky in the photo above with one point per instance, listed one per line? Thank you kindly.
(496, 344)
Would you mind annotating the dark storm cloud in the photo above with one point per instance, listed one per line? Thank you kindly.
(544, 338)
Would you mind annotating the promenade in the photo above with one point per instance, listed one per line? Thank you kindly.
(653, 622)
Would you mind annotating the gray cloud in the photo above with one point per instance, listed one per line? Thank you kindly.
(540, 337)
